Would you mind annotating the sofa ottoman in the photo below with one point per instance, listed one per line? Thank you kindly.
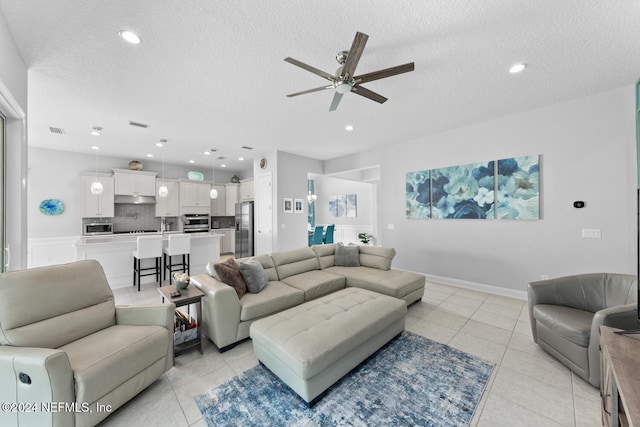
(311, 346)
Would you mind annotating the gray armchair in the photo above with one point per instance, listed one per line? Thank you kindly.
(63, 342)
(566, 314)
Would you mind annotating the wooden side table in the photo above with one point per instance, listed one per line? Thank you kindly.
(619, 380)
(190, 295)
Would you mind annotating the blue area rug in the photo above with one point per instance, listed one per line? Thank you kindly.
(412, 381)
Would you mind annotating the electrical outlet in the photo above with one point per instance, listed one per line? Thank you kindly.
(390, 226)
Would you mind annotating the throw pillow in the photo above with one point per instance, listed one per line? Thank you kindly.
(347, 256)
(254, 275)
(211, 270)
(228, 272)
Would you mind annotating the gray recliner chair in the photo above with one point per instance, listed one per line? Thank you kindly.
(63, 341)
(566, 314)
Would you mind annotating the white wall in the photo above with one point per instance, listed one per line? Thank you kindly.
(292, 172)
(588, 152)
(55, 174)
(13, 103)
(347, 228)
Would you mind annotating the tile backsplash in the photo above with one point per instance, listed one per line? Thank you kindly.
(134, 218)
(223, 221)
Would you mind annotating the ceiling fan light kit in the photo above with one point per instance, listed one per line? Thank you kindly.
(344, 81)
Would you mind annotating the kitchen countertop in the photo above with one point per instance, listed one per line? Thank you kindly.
(126, 238)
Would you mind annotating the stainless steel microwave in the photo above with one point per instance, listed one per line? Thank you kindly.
(97, 228)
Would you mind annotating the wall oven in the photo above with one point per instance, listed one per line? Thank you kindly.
(95, 229)
(195, 223)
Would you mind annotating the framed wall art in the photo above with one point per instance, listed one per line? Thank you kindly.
(287, 205)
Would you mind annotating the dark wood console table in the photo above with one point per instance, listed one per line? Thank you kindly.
(619, 378)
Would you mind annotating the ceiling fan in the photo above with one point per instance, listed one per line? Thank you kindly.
(344, 80)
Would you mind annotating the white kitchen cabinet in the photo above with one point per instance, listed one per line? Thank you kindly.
(170, 205)
(194, 198)
(100, 206)
(228, 241)
(246, 190)
(134, 183)
(232, 198)
(219, 204)
(232, 240)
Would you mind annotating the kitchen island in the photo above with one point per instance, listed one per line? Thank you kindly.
(114, 252)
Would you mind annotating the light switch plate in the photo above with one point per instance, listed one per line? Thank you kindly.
(591, 233)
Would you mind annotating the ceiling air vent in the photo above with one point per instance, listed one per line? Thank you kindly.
(247, 148)
(221, 158)
(140, 125)
(59, 131)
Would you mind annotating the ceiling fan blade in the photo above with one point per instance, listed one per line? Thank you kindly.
(336, 100)
(310, 68)
(355, 53)
(387, 72)
(359, 90)
(318, 89)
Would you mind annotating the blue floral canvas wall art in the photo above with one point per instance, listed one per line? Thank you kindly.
(518, 188)
(418, 194)
(465, 191)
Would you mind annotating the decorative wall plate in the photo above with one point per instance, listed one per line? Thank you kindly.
(195, 176)
(51, 207)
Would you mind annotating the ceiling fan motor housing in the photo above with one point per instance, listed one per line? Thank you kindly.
(344, 86)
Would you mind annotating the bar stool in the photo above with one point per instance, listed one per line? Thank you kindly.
(147, 247)
(178, 244)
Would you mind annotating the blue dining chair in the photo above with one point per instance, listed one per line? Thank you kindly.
(328, 235)
(316, 239)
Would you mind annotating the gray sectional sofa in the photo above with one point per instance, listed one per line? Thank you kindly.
(295, 277)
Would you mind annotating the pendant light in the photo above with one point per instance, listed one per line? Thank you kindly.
(96, 186)
(163, 191)
(213, 193)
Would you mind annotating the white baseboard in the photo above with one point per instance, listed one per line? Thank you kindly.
(497, 290)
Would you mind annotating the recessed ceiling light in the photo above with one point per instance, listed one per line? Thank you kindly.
(348, 128)
(159, 144)
(241, 158)
(95, 147)
(130, 36)
(192, 161)
(223, 166)
(96, 131)
(516, 68)
(149, 155)
(207, 153)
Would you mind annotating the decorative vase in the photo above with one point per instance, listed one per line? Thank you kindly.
(135, 165)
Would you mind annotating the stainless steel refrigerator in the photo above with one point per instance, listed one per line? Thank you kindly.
(244, 229)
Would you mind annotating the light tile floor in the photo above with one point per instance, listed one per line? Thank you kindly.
(528, 387)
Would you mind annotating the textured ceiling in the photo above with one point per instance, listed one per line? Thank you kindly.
(210, 74)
